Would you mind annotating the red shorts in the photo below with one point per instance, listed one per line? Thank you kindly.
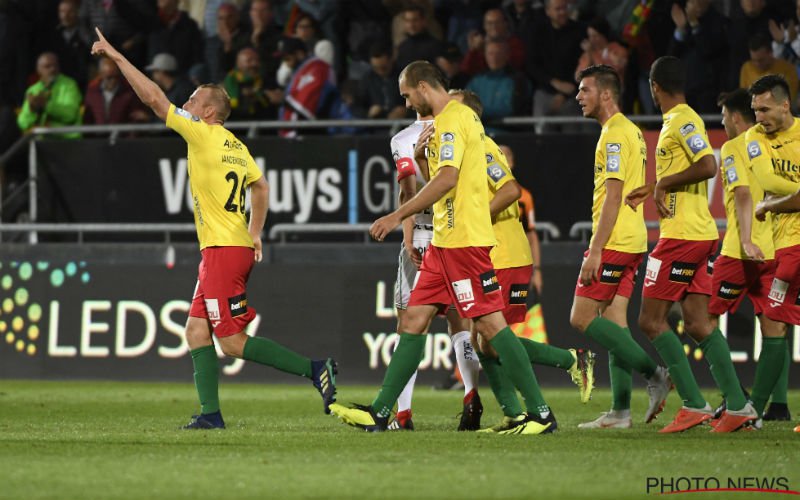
(220, 294)
(514, 283)
(783, 303)
(676, 268)
(733, 278)
(461, 276)
(618, 272)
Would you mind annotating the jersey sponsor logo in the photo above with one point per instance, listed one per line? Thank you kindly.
(489, 282)
(682, 272)
(451, 213)
(696, 143)
(518, 295)
(185, 114)
(753, 149)
(495, 172)
(651, 272)
(613, 147)
(687, 129)
(612, 163)
(777, 293)
(448, 137)
(212, 308)
(463, 291)
(730, 291)
(731, 175)
(238, 305)
(446, 152)
(611, 273)
(232, 144)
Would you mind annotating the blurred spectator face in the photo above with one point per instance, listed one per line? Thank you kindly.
(596, 39)
(558, 13)
(247, 62)
(752, 8)
(68, 14)
(304, 29)
(494, 24)
(381, 65)
(227, 17)
(47, 67)
(448, 67)
(168, 7)
(698, 7)
(496, 55)
(107, 69)
(414, 99)
(261, 13)
(413, 22)
(762, 58)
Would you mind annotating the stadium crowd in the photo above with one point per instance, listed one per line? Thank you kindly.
(309, 59)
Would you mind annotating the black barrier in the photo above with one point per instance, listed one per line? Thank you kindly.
(314, 179)
(117, 311)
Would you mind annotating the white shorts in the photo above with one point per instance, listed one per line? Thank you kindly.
(407, 271)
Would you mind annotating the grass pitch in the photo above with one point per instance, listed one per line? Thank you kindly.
(87, 440)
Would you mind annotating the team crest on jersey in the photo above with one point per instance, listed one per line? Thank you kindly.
(395, 156)
(612, 163)
(446, 152)
(489, 158)
(185, 114)
(696, 143)
(495, 172)
(448, 137)
(687, 129)
(730, 173)
(613, 147)
(753, 149)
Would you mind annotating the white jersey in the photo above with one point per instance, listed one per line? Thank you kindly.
(403, 144)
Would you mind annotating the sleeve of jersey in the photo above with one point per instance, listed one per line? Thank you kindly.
(732, 168)
(693, 138)
(761, 165)
(616, 152)
(452, 141)
(403, 160)
(497, 170)
(188, 126)
(253, 172)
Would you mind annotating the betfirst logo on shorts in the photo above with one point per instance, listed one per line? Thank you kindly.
(463, 290)
(730, 291)
(682, 272)
(489, 282)
(238, 305)
(611, 273)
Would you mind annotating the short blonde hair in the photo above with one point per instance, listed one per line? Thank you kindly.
(220, 99)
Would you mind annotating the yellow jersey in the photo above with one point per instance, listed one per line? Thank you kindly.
(735, 170)
(775, 162)
(461, 217)
(683, 141)
(620, 154)
(513, 248)
(220, 169)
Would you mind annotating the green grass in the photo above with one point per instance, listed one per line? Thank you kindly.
(83, 440)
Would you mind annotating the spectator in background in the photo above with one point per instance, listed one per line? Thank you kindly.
(786, 38)
(460, 18)
(71, 43)
(522, 16)
(245, 86)
(751, 18)
(701, 40)
(306, 30)
(450, 64)
(164, 71)
(229, 40)
(110, 99)
(378, 96)
(551, 59)
(599, 49)
(419, 43)
(495, 27)
(53, 101)
(503, 90)
(762, 62)
(178, 34)
(123, 22)
(265, 36)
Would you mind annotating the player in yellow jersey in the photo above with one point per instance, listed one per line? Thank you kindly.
(457, 268)
(772, 147)
(678, 267)
(220, 170)
(619, 240)
(746, 264)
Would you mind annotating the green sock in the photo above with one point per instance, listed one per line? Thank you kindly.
(779, 393)
(518, 368)
(501, 385)
(716, 350)
(405, 361)
(548, 355)
(671, 350)
(613, 337)
(768, 371)
(267, 352)
(621, 380)
(206, 377)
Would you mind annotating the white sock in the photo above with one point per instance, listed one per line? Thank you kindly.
(404, 400)
(620, 413)
(467, 360)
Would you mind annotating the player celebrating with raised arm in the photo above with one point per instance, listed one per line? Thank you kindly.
(220, 169)
(457, 268)
(678, 267)
(618, 244)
